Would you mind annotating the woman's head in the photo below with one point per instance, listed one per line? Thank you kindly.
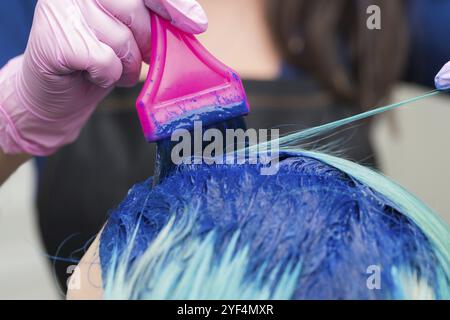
(310, 231)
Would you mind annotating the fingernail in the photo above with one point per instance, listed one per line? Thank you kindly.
(187, 15)
(442, 80)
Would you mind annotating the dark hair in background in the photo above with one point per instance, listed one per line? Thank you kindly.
(331, 41)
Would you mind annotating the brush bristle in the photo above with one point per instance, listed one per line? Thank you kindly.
(206, 115)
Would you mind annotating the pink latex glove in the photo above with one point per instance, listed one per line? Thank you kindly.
(77, 52)
(442, 80)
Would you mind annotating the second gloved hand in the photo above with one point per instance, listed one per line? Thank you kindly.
(77, 52)
(442, 80)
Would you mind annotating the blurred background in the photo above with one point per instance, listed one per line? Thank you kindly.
(304, 63)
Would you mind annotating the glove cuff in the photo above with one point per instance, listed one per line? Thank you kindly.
(10, 140)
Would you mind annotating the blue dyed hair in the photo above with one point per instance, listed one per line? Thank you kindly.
(321, 228)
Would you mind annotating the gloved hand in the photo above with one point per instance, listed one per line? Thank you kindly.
(77, 52)
(442, 80)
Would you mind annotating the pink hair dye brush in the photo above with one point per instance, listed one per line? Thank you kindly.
(185, 83)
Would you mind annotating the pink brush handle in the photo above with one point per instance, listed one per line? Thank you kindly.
(183, 78)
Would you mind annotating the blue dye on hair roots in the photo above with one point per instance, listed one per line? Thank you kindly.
(309, 214)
